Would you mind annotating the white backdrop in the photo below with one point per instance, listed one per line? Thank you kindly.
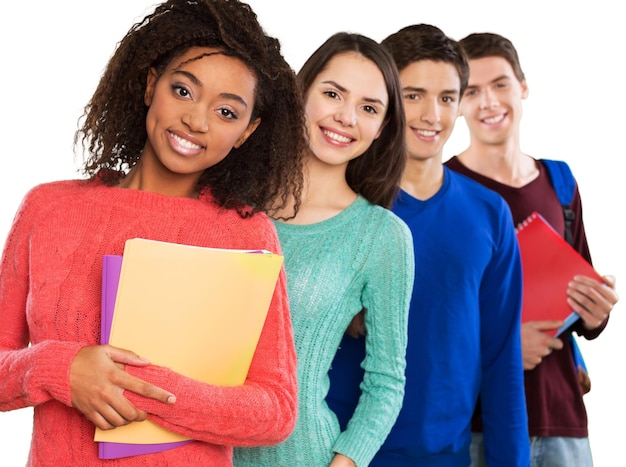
(54, 52)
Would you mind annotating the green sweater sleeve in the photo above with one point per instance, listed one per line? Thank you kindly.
(386, 297)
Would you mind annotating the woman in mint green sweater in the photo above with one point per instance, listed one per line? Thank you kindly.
(344, 252)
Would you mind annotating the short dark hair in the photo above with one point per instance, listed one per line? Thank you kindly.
(264, 172)
(426, 42)
(488, 44)
(376, 173)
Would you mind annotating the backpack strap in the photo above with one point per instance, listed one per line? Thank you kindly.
(564, 185)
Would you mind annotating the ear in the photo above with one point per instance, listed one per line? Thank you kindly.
(524, 89)
(151, 81)
(246, 134)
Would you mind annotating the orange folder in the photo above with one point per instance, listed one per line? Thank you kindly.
(549, 263)
(199, 311)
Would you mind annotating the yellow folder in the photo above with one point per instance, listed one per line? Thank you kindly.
(198, 311)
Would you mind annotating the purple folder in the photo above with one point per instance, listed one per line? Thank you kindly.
(111, 267)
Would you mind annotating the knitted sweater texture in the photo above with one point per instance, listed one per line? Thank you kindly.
(50, 292)
(464, 334)
(361, 258)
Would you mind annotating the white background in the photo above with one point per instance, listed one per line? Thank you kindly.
(572, 53)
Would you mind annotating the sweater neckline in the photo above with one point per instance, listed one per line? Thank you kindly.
(338, 220)
(407, 198)
(149, 200)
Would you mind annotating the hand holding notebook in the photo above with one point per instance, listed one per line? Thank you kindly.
(549, 263)
(188, 298)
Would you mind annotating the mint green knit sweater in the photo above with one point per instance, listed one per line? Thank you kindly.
(363, 257)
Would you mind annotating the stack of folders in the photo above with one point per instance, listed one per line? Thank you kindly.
(199, 311)
(549, 263)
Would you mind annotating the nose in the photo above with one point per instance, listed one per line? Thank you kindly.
(432, 113)
(488, 99)
(346, 115)
(196, 118)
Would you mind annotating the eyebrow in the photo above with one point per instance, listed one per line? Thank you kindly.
(196, 81)
(495, 80)
(342, 89)
(454, 92)
(500, 78)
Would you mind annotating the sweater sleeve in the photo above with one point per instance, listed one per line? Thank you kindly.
(30, 374)
(260, 412)
(386, 299)
(505, 424)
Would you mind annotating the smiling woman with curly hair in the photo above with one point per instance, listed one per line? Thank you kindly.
(194, 135)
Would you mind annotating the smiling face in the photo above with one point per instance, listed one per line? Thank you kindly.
(492, 103)
(431, 92)
(199, 109)
(345, 108)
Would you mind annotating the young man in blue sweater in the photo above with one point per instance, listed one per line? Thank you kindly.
(464, 321)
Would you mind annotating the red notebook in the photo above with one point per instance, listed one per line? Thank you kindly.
(549, 263)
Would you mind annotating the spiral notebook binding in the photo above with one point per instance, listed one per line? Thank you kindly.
(525, 222)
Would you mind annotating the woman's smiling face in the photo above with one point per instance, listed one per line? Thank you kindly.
(199, 109)
(345, 108)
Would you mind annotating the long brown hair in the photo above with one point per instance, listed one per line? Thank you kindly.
(376, 173)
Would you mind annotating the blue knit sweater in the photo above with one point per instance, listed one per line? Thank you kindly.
(464, 334)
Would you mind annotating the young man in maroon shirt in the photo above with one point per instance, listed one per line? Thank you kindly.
(492, 107)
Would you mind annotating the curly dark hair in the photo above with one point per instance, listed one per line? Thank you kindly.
(263, 174)
(376, 173)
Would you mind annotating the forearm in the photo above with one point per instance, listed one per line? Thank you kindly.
(36, 374)
(248, 415)
(386, 299)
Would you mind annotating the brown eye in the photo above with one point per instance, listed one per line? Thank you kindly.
(228, 114)
(180, 91)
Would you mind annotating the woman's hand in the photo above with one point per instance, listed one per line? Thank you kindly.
(536, 343)
(341, 461)
(97, 383)
(592, 300)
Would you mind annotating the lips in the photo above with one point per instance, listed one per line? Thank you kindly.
(427, 133)
(184, 146)
(493, 119)
(331, 135)
(185, 143)
(427, 136)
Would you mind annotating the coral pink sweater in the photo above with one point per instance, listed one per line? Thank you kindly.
(50, 292)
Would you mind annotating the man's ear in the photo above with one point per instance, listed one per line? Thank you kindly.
(246, 134)
(150, 85)
(525, 90)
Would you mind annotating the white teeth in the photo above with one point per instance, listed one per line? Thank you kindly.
(185, 143)
(336, 137)
(492, 120)
(427, 133)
